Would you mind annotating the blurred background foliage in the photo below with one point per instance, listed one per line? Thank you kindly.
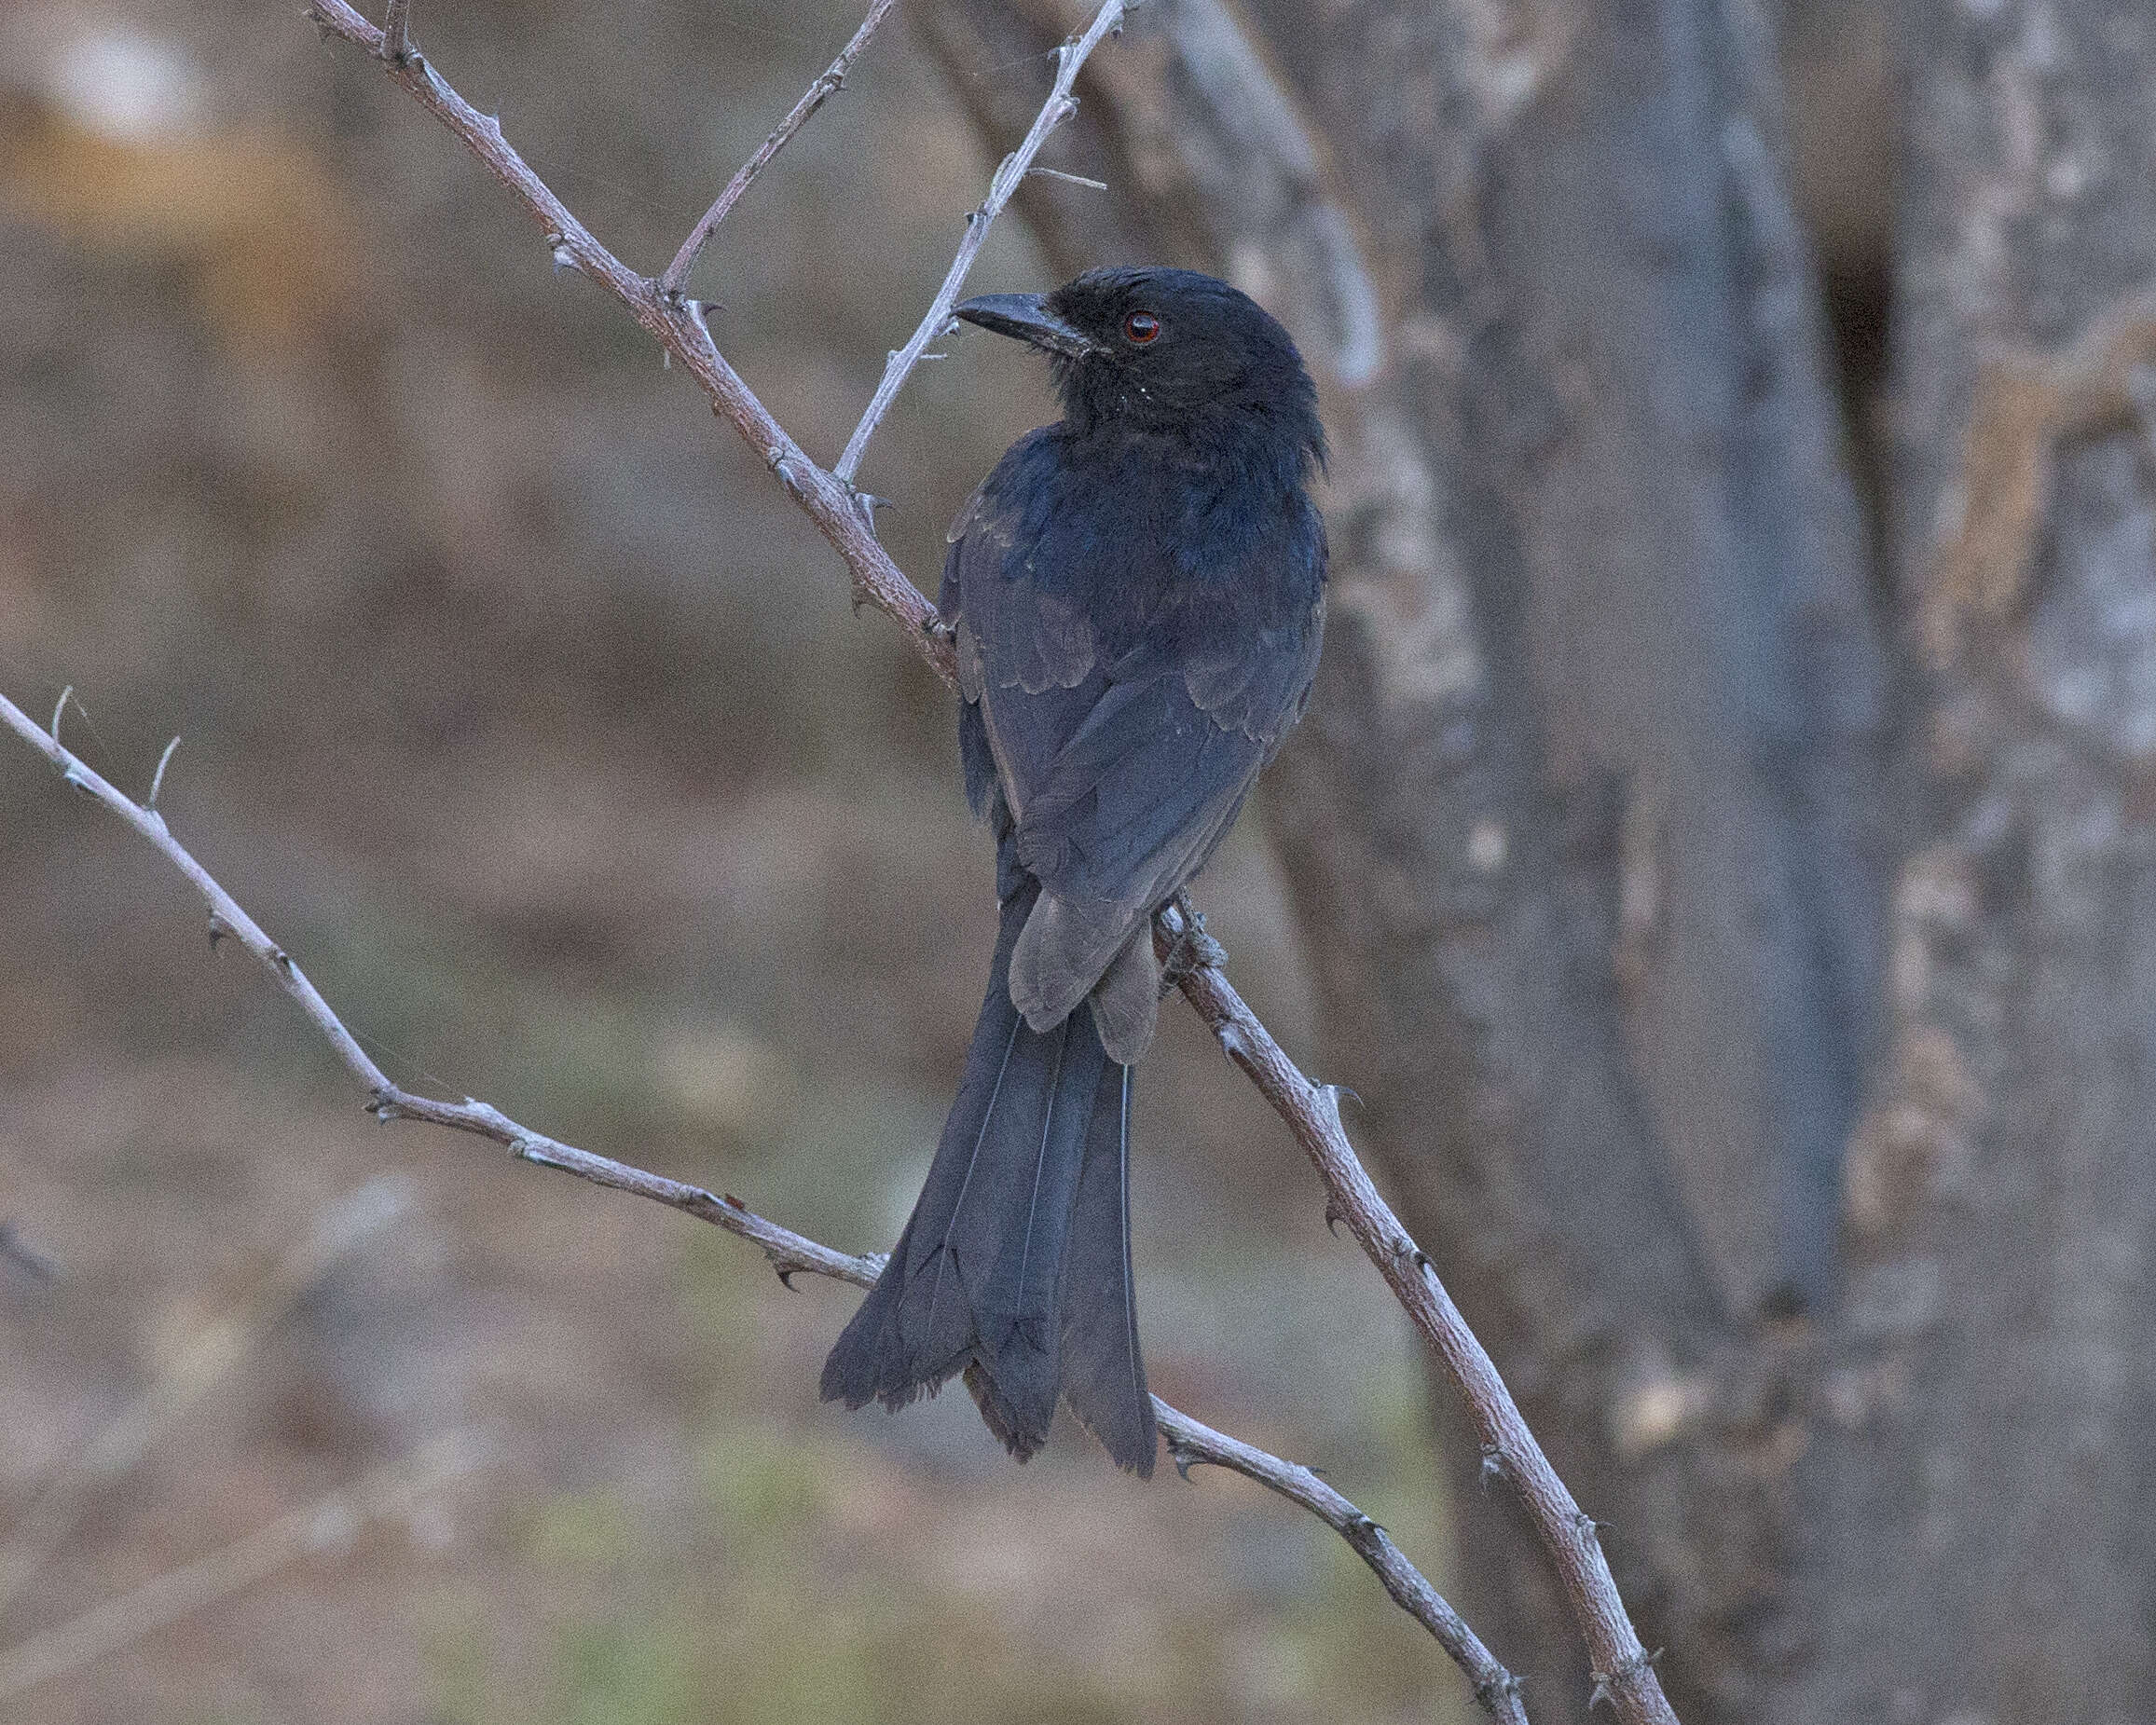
(520, 706)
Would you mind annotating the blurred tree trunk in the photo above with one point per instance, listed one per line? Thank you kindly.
(1728, 913)
(1983, 1511)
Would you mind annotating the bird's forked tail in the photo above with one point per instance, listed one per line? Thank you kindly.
(1015, 1267)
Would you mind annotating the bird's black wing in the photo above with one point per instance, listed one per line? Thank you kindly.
(1148, 785)
(1020, 639)
(1121, 770)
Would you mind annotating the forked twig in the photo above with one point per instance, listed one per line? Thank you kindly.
(1189, 1440)
(1623, 1671)
(1060, 104)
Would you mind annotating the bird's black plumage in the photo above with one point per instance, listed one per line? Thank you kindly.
(1138, 596)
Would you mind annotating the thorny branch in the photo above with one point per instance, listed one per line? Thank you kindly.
(1189, 1441)
(676, 323)
(1060, 104)
(1623, 1670)
(832, 80)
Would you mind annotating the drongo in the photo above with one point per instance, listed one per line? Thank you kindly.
(1139, 593)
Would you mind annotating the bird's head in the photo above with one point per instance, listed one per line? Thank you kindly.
(1163, 349)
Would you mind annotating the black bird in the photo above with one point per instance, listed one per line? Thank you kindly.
(1139, 593)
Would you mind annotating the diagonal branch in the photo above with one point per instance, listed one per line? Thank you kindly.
(1189, 1441)
(1623, 1671)
(1622, 1667)
(677, 325)
(828, 83)
(1060, 104)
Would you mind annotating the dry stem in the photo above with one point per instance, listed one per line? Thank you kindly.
(1060, 104)
(828, 84)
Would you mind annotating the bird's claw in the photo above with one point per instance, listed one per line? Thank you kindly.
(1194, 950)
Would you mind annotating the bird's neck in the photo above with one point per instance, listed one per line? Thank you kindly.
(1233, 444)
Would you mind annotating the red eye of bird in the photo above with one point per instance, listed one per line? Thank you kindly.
(1140, 327)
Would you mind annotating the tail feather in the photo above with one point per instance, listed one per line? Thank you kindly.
(1004, 1271)
(1104, 1375)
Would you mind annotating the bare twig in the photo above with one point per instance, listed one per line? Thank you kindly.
(1496, 1689)
(828, 83)
(1189, 1440)
(1622, 1668)
(326, 1525)
(189, 1375)
(678, 325)
(1060, 104)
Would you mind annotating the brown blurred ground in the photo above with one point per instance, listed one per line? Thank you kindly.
(519, 705)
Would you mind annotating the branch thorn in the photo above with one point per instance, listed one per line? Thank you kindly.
(1606, 1681)
(1184, 1459)
(219, 928)
(157, 779)
(67, 695)
(868, 502)
(1074, 179)
(529, 1148)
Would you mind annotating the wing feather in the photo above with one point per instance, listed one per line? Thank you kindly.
(1124, 714)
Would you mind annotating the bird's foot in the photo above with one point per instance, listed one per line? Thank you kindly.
(1194, 949)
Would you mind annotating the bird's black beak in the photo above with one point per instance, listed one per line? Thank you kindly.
(1026, 316)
